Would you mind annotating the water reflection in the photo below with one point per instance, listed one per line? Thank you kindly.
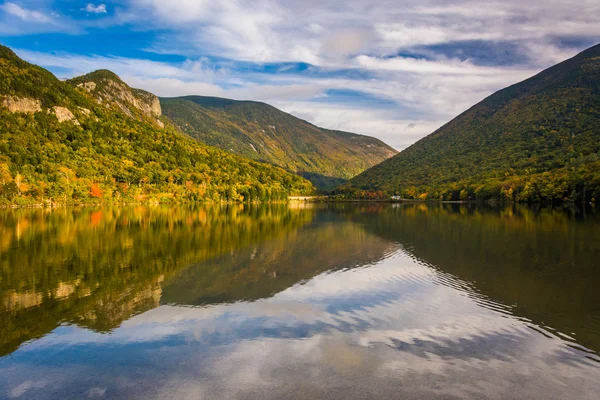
(97, 268)
(541, 263)
(275, 302)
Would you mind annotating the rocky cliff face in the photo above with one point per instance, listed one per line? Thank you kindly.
(31, 106)
(64, 115)
(22, 104)
(109, 89)
(147, 102)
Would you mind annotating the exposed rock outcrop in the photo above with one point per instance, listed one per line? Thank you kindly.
(22, 104)
(124, 96)
(87, 86)
(64, 115)
(84, 110)
(148, 103)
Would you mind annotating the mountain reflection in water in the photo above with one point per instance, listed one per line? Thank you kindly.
(277, 301)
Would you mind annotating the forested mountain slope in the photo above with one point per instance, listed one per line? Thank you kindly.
(538, 140)
(262, 132)
(94, 139)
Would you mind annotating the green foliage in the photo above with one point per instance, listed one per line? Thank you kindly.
(538, 140)
(19, 78)
(261, 132)
(111, 155)
(98, 76)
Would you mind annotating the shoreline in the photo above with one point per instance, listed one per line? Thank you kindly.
(290, 200)
(132, 203)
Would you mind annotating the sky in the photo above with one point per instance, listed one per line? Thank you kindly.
(393, 69)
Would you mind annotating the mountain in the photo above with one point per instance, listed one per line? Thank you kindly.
(95, 139)
(538, 140)
(107, 88)
(262, 132)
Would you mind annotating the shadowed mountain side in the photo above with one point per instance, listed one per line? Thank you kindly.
(261, 132)
(99, 268)
(541, 264)
(323, 182)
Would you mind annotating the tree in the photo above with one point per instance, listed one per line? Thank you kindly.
(5, 175)
(95, 191)
(19, 183)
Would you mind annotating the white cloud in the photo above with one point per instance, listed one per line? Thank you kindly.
(99, 9)
(171, 87)
(349, 41)
(421, 66)
(25, 14)
(383, 124)
(293, 30)
(79, 65)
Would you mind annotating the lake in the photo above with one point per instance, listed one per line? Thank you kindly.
(347, 301)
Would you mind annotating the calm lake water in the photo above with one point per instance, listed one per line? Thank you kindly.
(307, 302)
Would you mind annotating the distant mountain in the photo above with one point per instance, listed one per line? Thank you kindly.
(538, 140)
(262, 132)
(95, 139)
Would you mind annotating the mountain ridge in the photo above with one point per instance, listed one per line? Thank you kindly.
(262, 132)
(536, 140)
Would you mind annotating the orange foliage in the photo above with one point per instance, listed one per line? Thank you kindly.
(95, 191)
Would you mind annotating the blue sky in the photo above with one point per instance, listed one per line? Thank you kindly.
(392, 69)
